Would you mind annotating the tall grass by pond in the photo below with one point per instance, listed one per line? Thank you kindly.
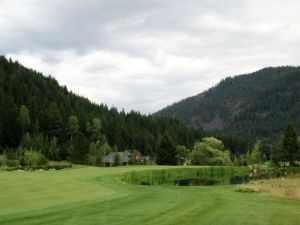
(210, 175)
(175, 175)
(288, 187)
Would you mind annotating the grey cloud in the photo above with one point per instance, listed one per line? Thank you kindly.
(144, 54)
(84, 25)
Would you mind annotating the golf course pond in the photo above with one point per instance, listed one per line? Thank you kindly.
(201, 176)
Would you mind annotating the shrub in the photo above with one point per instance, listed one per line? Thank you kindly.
(3, 160)
(34, 158)
(244, 189)
(11, 168)
(59, 165)
(13, 163)
(254, 156)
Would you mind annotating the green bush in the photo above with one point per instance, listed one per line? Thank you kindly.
(244, 189)
(13, 163)
(11, 168)
(60, 167)
(39, 163)
(3, 160)
(34, 159)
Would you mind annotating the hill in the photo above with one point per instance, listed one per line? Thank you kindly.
(37, 111)
(256, 105)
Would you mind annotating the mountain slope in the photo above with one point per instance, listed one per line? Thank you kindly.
(51, 105)
(256, 104)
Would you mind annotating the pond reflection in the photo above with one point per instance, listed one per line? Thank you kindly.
(210, 182)
(224, 180)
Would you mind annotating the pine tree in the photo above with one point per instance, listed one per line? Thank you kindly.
(55, 121)
(78, 148)
(24, 118)
(117, 160)
(167, 151)
(290, 144)
(73, 125)
(10, 131)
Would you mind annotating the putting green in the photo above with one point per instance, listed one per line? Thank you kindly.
(91, 195)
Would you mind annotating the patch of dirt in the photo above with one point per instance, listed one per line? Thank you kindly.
(215, 124)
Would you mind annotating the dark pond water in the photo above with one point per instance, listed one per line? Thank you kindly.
(221, 181)
(216, 181)
(209, 182)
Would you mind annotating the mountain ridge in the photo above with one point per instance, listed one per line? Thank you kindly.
(244, 103)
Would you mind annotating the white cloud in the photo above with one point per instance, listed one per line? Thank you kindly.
(143, 55)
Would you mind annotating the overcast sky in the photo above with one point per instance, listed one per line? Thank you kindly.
(144, 55)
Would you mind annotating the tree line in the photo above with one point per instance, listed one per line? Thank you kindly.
(211, 151)
(38, 116)
(37, 113)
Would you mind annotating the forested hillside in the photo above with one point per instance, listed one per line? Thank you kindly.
(255, 105)
(37, 111)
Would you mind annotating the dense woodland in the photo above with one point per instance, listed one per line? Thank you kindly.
(37, 112)
(41, 120)
(256, 105)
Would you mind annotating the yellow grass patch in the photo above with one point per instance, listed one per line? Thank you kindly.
(288, 187)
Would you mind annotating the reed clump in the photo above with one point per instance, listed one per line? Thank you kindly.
(168, 176)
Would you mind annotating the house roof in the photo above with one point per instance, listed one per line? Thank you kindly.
(124, 156)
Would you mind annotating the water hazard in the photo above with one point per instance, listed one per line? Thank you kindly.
(202, 176)
(242, 179)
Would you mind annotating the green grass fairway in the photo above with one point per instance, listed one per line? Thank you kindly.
(90, 195)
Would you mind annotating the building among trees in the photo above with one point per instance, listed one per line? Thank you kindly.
(116, 158)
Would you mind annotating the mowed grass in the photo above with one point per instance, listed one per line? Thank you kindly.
(90, 195)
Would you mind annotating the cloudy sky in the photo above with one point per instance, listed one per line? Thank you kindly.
(146, 54)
